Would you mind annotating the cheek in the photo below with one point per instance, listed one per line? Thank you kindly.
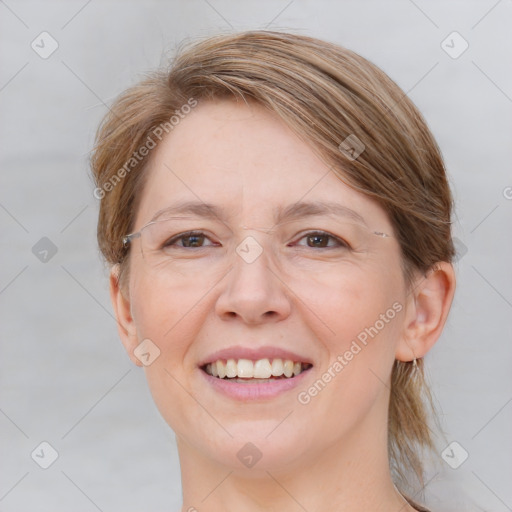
(362, 311)
(339, 307)
(348, 299)
(170, 314)
(161, 299)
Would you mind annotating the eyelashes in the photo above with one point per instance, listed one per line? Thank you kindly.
(196, 239)
(327, 236)
(199, 235)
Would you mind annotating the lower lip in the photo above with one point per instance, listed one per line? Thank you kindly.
(254, 390)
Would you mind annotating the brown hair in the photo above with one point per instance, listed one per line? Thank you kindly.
(325, 93)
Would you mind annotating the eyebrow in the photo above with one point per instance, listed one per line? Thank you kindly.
(291, 212)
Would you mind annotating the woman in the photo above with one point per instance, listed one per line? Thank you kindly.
(276, 217)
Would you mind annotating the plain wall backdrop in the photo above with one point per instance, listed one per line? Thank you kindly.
(65, 378)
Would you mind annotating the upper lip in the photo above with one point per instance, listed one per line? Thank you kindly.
(266, 352)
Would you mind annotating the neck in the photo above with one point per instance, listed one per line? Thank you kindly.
(351, 475)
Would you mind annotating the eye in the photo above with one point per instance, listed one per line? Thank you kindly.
(198, 240)
(321, 240)
(190, 239)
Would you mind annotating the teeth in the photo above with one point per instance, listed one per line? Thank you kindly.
(288, 368)
(221, 369)
(261, 369)
(231, 368)
(277, 367)
(245, 368)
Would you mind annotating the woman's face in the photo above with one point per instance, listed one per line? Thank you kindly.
(259, 282)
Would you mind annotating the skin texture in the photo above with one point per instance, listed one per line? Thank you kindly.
(328, 454)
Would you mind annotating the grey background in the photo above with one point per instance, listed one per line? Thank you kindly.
(65, 377)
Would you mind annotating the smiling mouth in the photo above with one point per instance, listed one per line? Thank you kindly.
(262, 370)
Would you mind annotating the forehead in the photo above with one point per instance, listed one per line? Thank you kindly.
(244, 159)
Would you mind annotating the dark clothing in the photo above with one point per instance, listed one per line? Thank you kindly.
(419, 508)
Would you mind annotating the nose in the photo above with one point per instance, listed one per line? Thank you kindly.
(253, 291)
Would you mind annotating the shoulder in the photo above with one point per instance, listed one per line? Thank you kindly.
(416, 506)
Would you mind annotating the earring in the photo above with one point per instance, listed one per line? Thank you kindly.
(414, 367)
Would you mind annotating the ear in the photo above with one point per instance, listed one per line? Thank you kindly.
(125, 323)
(427, 308)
